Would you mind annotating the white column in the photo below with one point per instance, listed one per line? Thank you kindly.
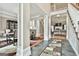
(46, 27)
(37, 27)
(23, 46)
(20, 31)
(50, 27)
(26, 29)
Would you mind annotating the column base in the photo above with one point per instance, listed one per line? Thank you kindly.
(45, 39)
(27, 51)
(19, 52)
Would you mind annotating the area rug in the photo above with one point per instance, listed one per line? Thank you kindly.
(53, 49)
(47, 52)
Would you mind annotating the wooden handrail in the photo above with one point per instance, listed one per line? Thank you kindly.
(76, 6)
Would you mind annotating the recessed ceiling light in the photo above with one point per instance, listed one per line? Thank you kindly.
(57, 15)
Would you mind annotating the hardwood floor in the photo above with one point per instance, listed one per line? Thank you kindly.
(8, 54)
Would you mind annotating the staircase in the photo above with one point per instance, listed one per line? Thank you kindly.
(72, 33)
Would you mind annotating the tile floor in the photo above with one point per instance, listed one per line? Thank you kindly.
(65, 51)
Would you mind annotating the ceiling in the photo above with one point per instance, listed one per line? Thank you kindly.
(9, 7)
(35, 10)
(58, 6)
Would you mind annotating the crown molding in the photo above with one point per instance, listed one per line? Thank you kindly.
(58, 12)
(7, 14)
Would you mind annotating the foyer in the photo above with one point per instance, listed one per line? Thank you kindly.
(51, 29)
(39, 29)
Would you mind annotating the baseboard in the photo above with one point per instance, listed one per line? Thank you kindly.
(27, 51)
